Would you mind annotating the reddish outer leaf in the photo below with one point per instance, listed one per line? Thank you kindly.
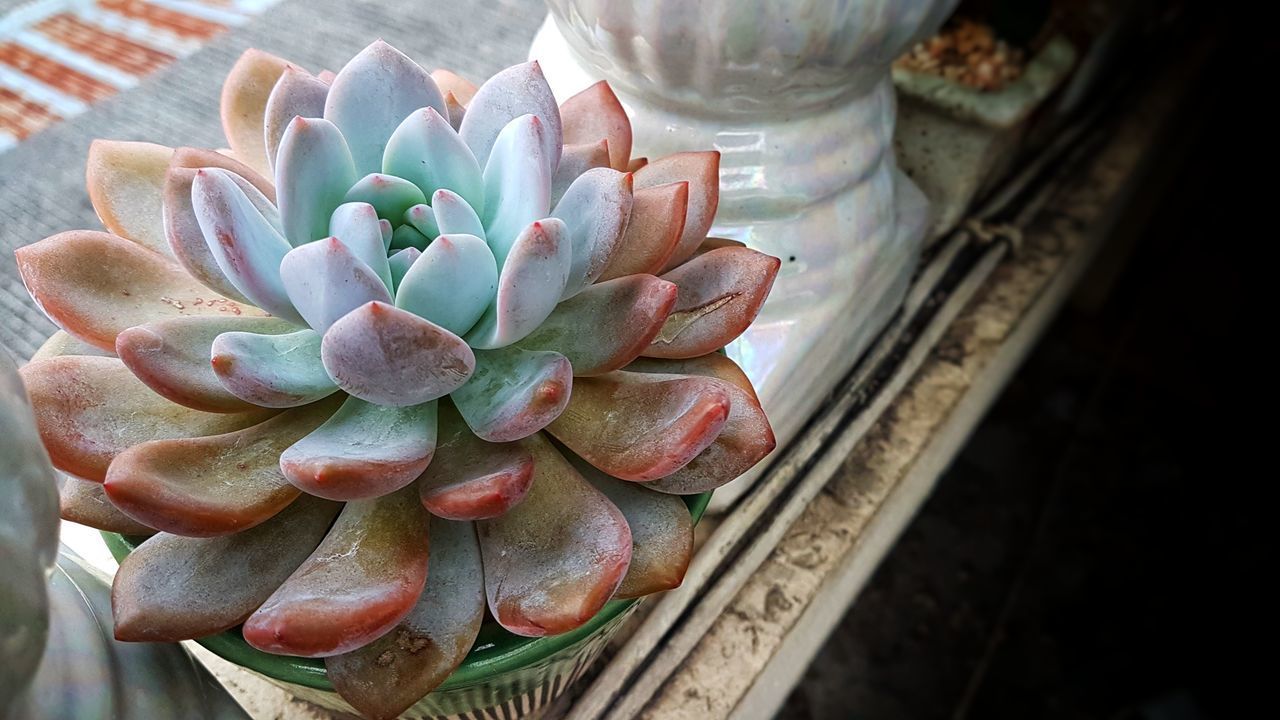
(745, 440)
(175, 588)
(715, 243)
(173, 358)
(637, 428)
(657, 221)
(451, 82)
(90, 409)
(552, 561)
(392, 673)
(595, 114)
(457, 110)
(575, 160)
(125, 181)
(196, 158)
(86, 503)
(661, 533)
(470, 479)
(94, 285)
(62, 343)
(702, 171)
(210, 486)
(716, 365)
(244, 103)
(607, 325)
(363, 579)
(720, 295)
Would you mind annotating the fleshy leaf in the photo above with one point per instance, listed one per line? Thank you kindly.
(186, 240)
(607, 325)
(406, 236)
(172, 357)
(400, 263)
(745, 440)
(454, 216)
(62, 343)
(595, 209)
(451, 284)
(450, 82)
(553, 560)
(191, 158)
(458, 91)
(173, 588)
(95, 285)
(422, 218)
(657, 221)
(517, 184)
(244, 104)
(89, 409)
(126, 187)
(371, 94)
(702, 171)
(716, 365)
(715, 243)
(278, 371)
(720, 294)
(390, 356)
(393, 672)
(296, 94)
(514, 393)
(314, 171)
(215, 485)
(389, 195)
(85, 502)
(575, 160)
(325, 281)
(518, 90)
(595, 114)
(529, 286)
(639, 427)
(457, 111)
(661, 532)
(363, 451)
(365, 577)
(357, 225)
(387, 233)
(427, 152)
(242, 241)
(470, 479)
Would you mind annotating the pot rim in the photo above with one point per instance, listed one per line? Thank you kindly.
(496, 651)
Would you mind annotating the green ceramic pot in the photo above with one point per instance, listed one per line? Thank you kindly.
(505, 675)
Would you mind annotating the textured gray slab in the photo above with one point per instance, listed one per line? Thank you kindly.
(42, 180)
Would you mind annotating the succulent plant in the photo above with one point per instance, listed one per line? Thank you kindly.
(461, 323)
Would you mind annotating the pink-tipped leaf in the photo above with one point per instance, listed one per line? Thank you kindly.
(363, 579)
(363, 451)
(471, 479)
(514, 393)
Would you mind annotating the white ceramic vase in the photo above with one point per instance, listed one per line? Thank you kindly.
(796, 95)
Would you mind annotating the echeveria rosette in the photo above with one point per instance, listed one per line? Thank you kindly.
(462, 327)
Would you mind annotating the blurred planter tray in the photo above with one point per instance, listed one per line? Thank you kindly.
(953, 140)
